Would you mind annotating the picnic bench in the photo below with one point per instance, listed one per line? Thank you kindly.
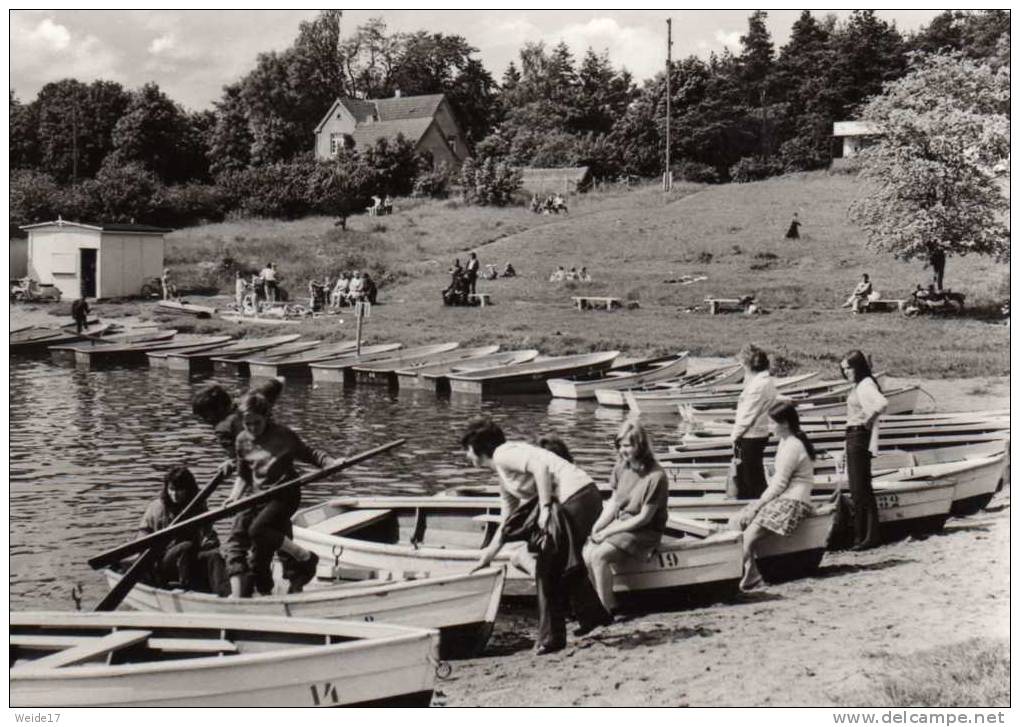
(718, 305)
(483, 299)
(587, 302)
(886, 304)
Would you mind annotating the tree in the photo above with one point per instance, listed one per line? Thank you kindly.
(932, 190)
(229, 141)
(156, 133)
(24, 134)
(756, 57)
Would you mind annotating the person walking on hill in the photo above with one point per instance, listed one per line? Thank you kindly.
(864, 406)
(471, 272)
(750, 425)
(793, 233)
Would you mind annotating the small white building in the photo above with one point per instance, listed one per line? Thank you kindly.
(106, 260)
(855, 135)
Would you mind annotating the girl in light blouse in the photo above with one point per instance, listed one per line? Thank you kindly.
(864, 405)
(787, 501)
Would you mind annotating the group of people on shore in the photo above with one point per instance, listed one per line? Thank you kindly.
(463, 282)
(261, 288)
(576, 538)
(260, 454)
(561, 275)
(349, 288)
(553, 204)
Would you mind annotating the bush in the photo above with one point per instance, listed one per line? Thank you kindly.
(272, 190)
(189, 204)
(34, 197)
(752, 169)
(802, 154)
(126, 192)
(489, 183)
(434, 183)
(700, 173)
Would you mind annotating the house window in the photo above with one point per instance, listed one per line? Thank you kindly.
(336, 143)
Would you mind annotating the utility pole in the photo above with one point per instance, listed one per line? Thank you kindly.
(667, 178)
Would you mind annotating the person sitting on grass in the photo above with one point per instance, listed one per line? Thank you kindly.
(356, 288)
(371, 291)
(266, 453)
(787, 500)
(634, 518)
(559, 276)
(191, 560)
(508, 271)
(858, 299)
(584, 276)
(339, 295)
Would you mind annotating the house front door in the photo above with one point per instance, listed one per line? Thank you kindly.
(88, 273)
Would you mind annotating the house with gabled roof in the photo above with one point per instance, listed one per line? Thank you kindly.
(426, 121)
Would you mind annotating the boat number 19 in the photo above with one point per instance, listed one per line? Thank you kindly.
(668, 559)
(324, 694)
(886, 501)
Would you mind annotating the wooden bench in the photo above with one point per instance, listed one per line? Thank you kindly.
(587, 302)
(885, 304)
(483, 299)
(718, 305)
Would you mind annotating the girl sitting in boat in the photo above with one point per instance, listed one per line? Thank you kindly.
(192, 560)
(266, 452)
(787, 501)
(634, 517)
(565, 503)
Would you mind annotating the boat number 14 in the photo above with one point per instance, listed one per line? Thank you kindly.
(324, 694)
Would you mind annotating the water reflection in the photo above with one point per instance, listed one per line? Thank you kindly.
(88, 449)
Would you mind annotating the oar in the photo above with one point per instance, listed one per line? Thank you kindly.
(137, 569)
(115, 554)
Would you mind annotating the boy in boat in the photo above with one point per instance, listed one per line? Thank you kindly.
(266, 452)
(192, 559)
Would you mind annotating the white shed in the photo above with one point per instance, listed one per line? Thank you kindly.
(855, 135)
(106, 260)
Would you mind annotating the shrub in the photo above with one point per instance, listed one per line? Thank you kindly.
(490, 182)
(433, 183)
(801, 154)
(272, 190)
(700, 173)
(126, 192)
(752, 169)
(189, 204)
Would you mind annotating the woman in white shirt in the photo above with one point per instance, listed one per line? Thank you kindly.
(750, 431)
(864, 405)
(787, 501)
(526, 473)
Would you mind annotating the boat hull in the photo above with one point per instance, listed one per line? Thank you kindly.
(568, 389)
(531, 379)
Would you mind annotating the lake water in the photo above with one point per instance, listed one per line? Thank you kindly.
(88, 449)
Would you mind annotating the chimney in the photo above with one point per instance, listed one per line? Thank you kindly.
(396, 93)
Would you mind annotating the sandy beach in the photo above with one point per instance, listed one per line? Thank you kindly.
(821, 641)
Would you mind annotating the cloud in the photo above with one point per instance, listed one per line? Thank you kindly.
(641, 50)
(163, 45)
(728, 40)
(51, 35)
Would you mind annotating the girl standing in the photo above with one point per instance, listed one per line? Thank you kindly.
(864, 405)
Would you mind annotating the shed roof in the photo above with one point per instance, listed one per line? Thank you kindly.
(856, 128)
(102, 227)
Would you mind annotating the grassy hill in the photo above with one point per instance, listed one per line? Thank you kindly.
(631, 242)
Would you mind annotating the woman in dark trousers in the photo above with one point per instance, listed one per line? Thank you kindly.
(568, 505)
(750, 431)
(864, 405)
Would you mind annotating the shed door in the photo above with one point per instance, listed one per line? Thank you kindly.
(88, 273)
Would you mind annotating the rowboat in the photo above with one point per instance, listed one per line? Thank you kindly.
(807, 423)
(720, 376)
(202, 360)
(36, 340)
(128, 659)
(238, 366)
(261, 320)
(462, 607)
(181, 307)
(620, 376)
(667, 401)
(339, 370)
(128, 353)
(431, 535)
(157, 357)
(384, 371)
(434, 377)
(66, 353)
(903, 400)
(297, 367)
(530, 377)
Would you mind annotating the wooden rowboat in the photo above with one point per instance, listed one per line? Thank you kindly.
(129, 353)
(340, 370)
(462, 607)
(435, 376)
(262, 320)
(127, 659)
(530, 377)
(202, 360)
(721, 376)
(628, 376)
(667, 401)
(36, 340)
(66, 354)
(297, 366)
(183, 308)
(238, 366)
(384, 371)
(431, 535)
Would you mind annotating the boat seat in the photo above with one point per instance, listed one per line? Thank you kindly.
(488, 517)
(699, 528)
(90, 650)
(347, 522)
(210, 646)
(48, 642)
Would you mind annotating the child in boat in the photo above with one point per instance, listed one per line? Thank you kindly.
(266, 452)
(192, 559)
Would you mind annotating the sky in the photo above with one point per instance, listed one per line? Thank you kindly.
(192, 54)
